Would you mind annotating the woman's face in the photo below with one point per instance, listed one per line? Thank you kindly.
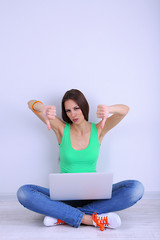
(73, 111)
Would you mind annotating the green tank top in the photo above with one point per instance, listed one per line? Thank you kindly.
(76, 161)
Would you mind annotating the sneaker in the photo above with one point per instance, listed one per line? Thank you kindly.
(110, 220)
(50, 221)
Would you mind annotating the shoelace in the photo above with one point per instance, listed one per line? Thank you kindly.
(59, 221)
(100, 221)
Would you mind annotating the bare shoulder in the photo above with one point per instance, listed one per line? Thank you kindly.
(99, 131)
(57, 125)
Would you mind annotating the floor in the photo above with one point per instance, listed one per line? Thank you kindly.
(142, 221)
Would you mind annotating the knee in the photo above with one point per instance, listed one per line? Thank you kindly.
(137, 190)
(23, 194)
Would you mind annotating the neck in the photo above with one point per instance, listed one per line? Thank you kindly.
(82, 127)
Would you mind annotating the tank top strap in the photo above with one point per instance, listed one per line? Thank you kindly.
(66, 134)
(94, 132)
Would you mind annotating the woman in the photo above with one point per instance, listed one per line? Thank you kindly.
(79, 144)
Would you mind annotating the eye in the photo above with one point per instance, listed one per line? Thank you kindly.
(76, 108)
(67, 111)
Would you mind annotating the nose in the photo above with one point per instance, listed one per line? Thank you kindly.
(73, 114)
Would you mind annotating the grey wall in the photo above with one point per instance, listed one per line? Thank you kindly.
(107, 49)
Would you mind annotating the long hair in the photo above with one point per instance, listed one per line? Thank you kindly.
(79, 98)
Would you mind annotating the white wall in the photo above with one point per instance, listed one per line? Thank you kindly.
(110, 51)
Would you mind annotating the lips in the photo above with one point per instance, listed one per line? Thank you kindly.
(75, 120)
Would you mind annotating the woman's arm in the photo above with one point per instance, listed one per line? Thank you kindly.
(48, 115)
(119, 111)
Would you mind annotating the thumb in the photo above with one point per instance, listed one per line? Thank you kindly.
(48, 124)
(46, 118)
(103, 122)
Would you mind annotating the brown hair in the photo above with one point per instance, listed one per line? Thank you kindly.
(79, 98)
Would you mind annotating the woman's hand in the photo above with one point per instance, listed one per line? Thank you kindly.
(49, 113)
(102, 112)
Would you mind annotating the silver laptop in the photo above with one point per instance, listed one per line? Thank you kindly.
(80, 186)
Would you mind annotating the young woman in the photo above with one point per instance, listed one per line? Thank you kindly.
(79, 145)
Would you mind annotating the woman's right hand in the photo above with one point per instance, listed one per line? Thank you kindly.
(49, 113)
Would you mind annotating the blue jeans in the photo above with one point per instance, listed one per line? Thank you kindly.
(124, 195)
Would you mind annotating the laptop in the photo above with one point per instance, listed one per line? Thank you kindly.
(80, 186)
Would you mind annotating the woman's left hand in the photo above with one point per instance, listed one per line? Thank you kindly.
(102, 112)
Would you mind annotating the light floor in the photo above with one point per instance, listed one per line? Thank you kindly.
(142, 221)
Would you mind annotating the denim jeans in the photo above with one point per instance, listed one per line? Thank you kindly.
(124, 195)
